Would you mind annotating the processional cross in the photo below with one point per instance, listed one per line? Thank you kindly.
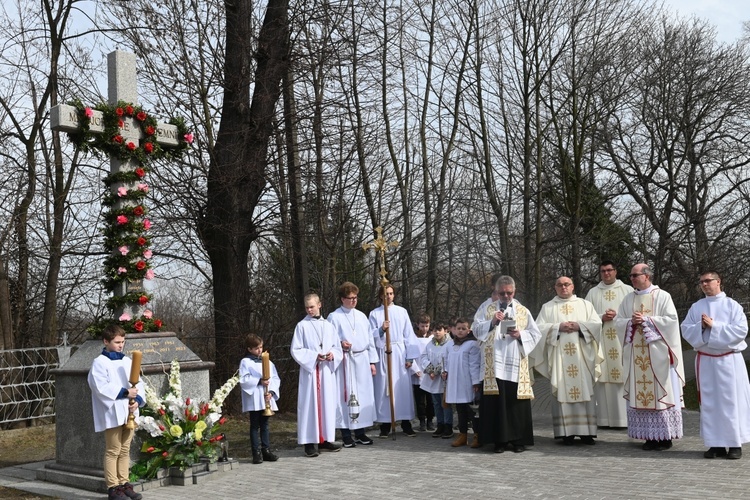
(121, 71)
(380, 245)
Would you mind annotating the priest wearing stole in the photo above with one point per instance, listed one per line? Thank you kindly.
(570, 356)
(505, 405)
(716, 327)
(652, 359)
(610, 388)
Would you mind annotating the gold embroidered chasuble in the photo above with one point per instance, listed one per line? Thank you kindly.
(605, 297)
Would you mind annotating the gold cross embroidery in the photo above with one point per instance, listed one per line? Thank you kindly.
(644, 382)
(609, 295)
(566, 309)
(572, 371)
(614, 374)
(644, 310)
(574, 393)
(613, 353)
(570, 349)
(642, 345)
(611, 333)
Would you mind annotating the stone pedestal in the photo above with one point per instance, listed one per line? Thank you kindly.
(79, 455)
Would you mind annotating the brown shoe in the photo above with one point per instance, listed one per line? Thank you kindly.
(461, 440)
(475, 442)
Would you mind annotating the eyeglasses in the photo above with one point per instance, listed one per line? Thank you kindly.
(707, 281)
(635, 275)
(350, 298)
(505, 294)
(563, 285)
(607, 270)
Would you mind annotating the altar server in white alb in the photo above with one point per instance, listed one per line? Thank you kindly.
(570, 356)
(652, 359)
(716, 327)
(317, 350)
(112, 401)
(610, 388)
(356, 397)
(404, 354)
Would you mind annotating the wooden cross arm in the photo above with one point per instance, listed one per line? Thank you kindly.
(65, 118)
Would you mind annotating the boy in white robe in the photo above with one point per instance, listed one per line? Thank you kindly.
(256, 393)
(317, 350)
(716, 327)
(463, 377)
(422, 399)
(433, 361)
(112, 400)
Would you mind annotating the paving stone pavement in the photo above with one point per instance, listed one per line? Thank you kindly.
(424, 467)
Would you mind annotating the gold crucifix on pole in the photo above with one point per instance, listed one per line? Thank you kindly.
(380, 245)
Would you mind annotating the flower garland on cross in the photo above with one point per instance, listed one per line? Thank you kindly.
(126, 238)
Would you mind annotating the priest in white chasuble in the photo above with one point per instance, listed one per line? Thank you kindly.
(716, 327)
(652, 359)
(570, 356)
(610, 388)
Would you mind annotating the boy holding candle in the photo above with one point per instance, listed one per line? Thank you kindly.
(260, 383)
(112, 400)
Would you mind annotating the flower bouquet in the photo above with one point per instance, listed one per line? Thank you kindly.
(178, 432)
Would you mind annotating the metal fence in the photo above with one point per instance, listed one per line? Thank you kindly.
(27, 389)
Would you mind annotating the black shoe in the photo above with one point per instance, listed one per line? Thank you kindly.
(734, 453)
(588, 440)
(116, 493)
(385, 431)
(664, 444)
(406, 427)
(568, 440)
(363, 440)
(430, 427)
(447, 431)
(257, 457)
(268, 456)
(311, 451)
(328, 446)
(518, 448)
(438, 432)
(422, 425)
(349, 442)
(128, 491)
(500, 447)
(650, 445)
(715, 452)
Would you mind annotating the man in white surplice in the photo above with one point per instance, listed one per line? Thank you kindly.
(317, 350)
(609, 389)
(356, 370)
(716, 327)
(569, 355)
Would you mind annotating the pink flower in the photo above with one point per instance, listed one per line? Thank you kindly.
(88, 112)
(149, 274)
(125, 317)
(122, 270)
(143, 187)
(146, 224)
(148, 314)
(147, 254)
(122, 220)
(122, 191)
(124, 250)
(188, 137)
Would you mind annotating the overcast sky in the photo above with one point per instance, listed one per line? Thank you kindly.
(727, 15)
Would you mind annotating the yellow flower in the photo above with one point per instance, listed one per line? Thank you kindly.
(199, 428)
(175, 431)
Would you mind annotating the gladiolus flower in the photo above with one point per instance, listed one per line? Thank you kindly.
(129, 110)
(141, 241)
(140, 172)
(141, 116)
(199, 443)
(219, 437)
(212, 440)
(138, 210)
(148, 147)
(122, 220)
(125, 317)
(143, 300)
(119, 112)
(187, 401)
(148, 314)
(124, 250)
(162, 412)
(140, 265)
(138, 326)
(222, 420)
(165, 454)
(150, 449)
(161, 428)
(131, 146)
(188, 137)
(122, 270)
(88, 112)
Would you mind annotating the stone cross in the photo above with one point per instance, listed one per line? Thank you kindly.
(121, 71)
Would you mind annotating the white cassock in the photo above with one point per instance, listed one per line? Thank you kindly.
(403, 347)
(317, 398)
(572, 363)
(107, 378)
(433, 360)
(253, 392)
(723, 387)
(462, 363)
(652, 360)
(354, 373)
(421, 343)
(609, 389)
